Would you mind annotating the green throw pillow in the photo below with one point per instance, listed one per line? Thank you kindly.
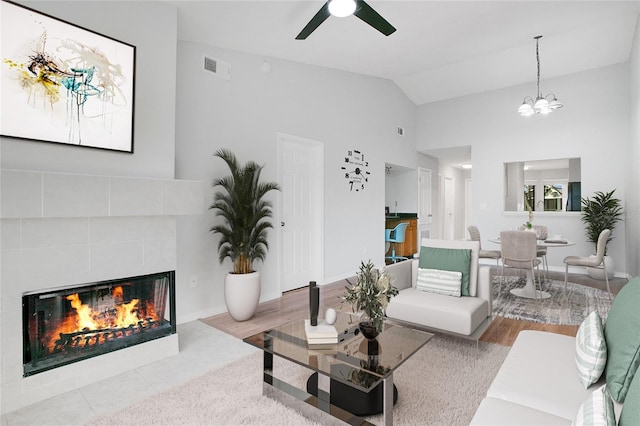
(445, 259)
(623, 340)
(630, 415)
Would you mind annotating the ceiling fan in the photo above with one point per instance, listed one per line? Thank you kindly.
(342, 8)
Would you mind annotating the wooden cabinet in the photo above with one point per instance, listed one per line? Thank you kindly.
(410, 245)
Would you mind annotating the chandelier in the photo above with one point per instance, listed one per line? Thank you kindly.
(542, 104)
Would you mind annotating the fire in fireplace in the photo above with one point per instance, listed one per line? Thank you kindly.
(64, 326)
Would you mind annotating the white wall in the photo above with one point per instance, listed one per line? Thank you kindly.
(593, 125)
(343, 110)
(401, 187)
(154, 127)
(633, 159)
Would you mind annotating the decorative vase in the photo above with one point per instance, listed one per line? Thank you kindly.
(242, 295)
(314, 303)
(368, 329)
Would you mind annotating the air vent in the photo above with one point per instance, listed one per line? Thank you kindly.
(217, 67)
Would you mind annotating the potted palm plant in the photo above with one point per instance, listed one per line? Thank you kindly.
(243, 234)
(601, 212)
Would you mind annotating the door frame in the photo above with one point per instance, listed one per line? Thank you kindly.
(316, 181)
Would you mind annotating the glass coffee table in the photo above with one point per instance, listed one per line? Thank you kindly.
(351, 379)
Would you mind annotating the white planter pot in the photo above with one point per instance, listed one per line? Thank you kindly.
(598, 273)
(242, 295)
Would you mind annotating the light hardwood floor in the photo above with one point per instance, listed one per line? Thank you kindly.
(295, 305)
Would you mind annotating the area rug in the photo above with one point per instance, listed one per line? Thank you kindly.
(558, 309)
(442, 384)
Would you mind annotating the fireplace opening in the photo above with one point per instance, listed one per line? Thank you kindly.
(68, 325)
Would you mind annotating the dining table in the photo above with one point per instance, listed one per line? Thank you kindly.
(529, 289)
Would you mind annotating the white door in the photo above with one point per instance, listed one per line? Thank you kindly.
(425, 214)
(468, 192)
(301, 206)
(448, 216)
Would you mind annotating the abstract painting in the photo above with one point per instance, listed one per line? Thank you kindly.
(63, 83)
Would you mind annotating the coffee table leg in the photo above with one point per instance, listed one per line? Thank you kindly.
(387, 400)
(324, 393)
(267, 369)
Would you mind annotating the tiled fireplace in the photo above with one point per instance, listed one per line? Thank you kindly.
(63, 326)
(73, 243)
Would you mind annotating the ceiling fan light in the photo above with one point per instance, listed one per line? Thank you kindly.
(342, 8)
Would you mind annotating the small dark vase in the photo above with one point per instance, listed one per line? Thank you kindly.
(368, 329)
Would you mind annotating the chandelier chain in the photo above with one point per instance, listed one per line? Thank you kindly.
(538, 61)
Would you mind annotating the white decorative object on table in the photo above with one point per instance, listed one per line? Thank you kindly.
(330, 316)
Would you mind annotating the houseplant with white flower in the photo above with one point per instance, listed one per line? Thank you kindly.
(370, 295)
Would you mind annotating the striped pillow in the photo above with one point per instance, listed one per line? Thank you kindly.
(596, 410)
(448, 283)
(591, 349)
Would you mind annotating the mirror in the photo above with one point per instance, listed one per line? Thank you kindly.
(542, 185)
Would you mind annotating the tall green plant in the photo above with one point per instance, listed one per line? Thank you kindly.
(601, 212)
(242, 205)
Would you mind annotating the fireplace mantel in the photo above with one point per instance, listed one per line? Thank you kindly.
(33, 194)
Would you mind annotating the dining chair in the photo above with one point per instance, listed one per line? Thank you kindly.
(542, 232)
(519, 251)
(474, 234)
(590, 261)
(393, 236)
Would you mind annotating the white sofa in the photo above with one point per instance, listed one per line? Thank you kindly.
(466, 316)
(538, 382)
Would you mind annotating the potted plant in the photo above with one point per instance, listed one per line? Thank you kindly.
(370, 295)
(601, 212)
(243, 235)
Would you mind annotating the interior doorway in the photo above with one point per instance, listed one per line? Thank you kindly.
(425, 212)
(300, 205)
(448, 202)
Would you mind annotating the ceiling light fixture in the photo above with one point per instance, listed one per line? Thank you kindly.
(342, 8)
(543, 104)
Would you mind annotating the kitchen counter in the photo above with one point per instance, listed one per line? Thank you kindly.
(410, 245)
(402, 216)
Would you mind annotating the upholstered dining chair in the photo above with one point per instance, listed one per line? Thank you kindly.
(474, 234)
(519, 251)
(542, 232)
(590, 261)
(393, 236)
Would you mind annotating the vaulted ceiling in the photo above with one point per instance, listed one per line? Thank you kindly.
(441, 49)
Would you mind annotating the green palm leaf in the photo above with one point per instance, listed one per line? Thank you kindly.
(241, 205)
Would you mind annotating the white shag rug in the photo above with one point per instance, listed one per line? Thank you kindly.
(442, 384)
(558, 309)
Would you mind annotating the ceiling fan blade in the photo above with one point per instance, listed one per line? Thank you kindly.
(373, 18)
(315, 22)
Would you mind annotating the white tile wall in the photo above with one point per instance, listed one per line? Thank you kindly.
(61, 229)
(29, 194)
(75, 195)
(38, 233)
(21, 194)
(139, 197)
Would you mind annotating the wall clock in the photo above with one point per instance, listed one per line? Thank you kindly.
(356, 170)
